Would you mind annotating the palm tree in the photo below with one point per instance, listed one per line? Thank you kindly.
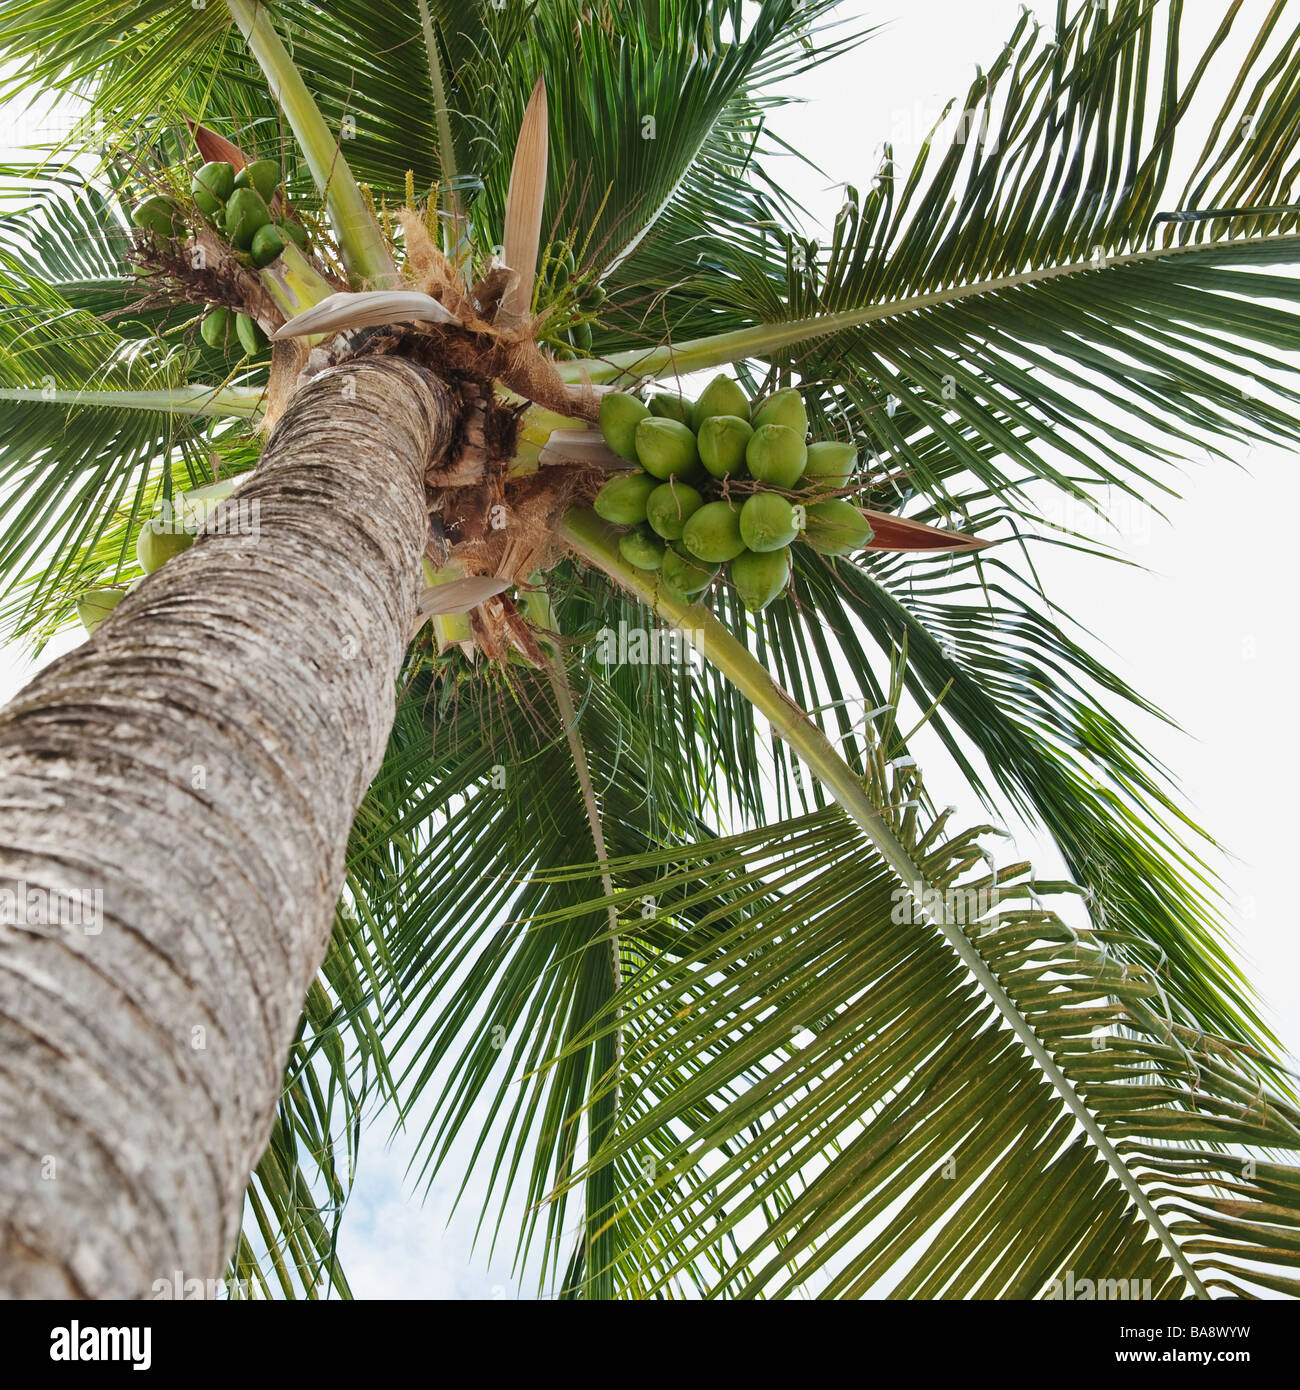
(682, 946)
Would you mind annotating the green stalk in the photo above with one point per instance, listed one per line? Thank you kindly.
(596, 542)
(234, 402)
(295, 284)
(370, 266)
(764, 339)
(608, 1054)
(446, 150)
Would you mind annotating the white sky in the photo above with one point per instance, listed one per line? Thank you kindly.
(1207, 631)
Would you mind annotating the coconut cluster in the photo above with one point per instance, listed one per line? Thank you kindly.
(721, 482)
(238, 204)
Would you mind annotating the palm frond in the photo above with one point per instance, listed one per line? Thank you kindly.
(828, 1041)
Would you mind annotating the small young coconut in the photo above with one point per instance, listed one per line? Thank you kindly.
(245, 213)
(783, 408)
(620, 414)
(666, 448)
(723, 440)
(830, 464)
(670, 406)
(294, 232)
(684, 576)
(776, 455)
(159, 215)
(212, 185)
(836, 527)
(623, 499)
(158, 541)
(713, 533)
(642, 548)
(96, 604)
(250, 335)
(215, 328)
(266, 245)
(760, 577)
(263, 175)
(720, 397)
(767, 522)
(670, 506)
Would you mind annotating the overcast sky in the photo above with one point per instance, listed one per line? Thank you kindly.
(1207, 630)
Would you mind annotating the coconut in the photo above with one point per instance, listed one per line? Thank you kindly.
(96, 604)
(623, 499)
(720, 397)
(215, 328)
(620, 414)
(767, 522)
(671, 407)
(642, 548)
(666, 448)
(713, 533)
(266, 245)
(830, 464)
(159, 215)
(250, 335)
(759, 578)
(263, 175)
(245, 213)
(836, 527)
(670, 506)
(686, 577)
(212, 185)
(722, 443)
(776, 455)
(295, 232)
(783, 408)
(158, 541)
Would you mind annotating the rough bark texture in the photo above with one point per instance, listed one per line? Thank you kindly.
(199, 762)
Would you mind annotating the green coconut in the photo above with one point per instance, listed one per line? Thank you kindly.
(246, 211)
(212, 184)
(760, 577)
(713, 533)
(671, 407)
(720, 397)
(620, 414)
(262, 175)
(96, 604)
(835, 527)
(215, 328)
(776, 455)
(684, 576)
(830, 464)
(159, 215)
(250, 335)
(266, 245)
(767, 522)
(670, 506)
(158, 541)
(783, 408)
(295, 232)
(623, 499)
(666, 448)
(642, 548)
(722, 441)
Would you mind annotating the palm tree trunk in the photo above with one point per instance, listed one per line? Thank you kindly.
(186, 781)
